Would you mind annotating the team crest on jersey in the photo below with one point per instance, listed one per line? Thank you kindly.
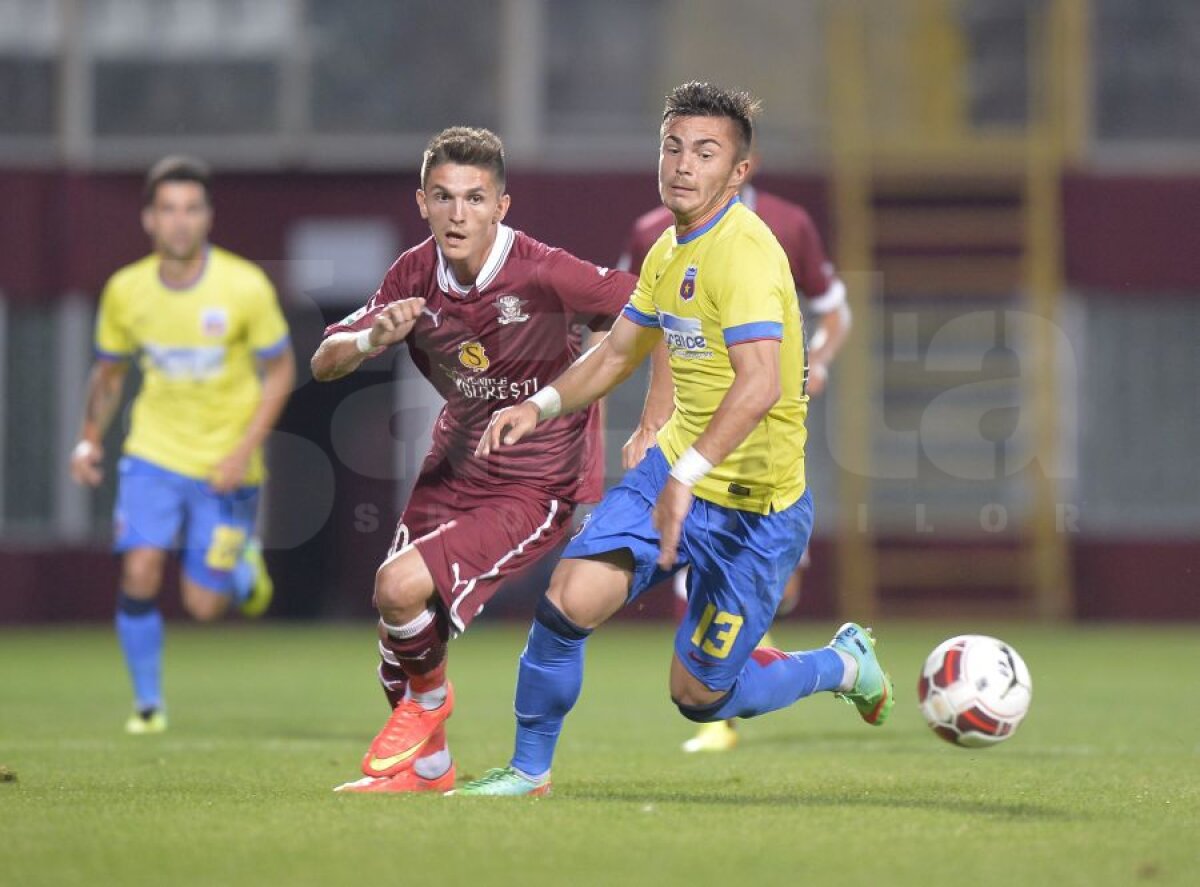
(687, 289)
(473, 356)
(511, 309)
(214, 322)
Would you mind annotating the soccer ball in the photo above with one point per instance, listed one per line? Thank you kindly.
(974, 690)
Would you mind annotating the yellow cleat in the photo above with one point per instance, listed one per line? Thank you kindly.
(143, 723)
(717, 736)
(263, 588)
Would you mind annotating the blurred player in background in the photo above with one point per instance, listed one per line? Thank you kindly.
(217, 369)
(487, 314)
(722, 491)
(813, 275)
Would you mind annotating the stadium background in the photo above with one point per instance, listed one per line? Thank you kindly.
(1011, 190)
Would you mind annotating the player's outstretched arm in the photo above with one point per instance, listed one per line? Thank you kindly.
(755, 389)
(103, 397)
(596, 373)
(343, 353)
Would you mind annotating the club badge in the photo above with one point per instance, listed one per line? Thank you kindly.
(687, 289)
(510, 308)
(214, 322)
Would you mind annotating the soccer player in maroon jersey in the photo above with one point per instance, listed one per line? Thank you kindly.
(826, 298)
(486, 313)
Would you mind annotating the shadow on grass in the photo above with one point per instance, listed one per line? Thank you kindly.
(739, 795)
(805, 741)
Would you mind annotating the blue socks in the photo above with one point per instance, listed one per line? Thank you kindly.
(548, 683)
(551, 675)
(140, 631)
(773, 679)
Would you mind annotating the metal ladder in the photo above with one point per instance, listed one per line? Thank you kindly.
(949, 241)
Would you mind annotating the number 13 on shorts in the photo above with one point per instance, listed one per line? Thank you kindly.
(716, 631)
(225, 548)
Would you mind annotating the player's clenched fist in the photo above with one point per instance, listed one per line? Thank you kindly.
(86, 459)
(818, 375)
(507, 427)
(394, 322)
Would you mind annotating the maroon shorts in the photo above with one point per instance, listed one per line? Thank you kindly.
(472, 539)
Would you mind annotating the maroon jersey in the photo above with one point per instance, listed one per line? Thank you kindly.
(496, 343)
(791, 225)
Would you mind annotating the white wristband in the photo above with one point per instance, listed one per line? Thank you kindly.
(83, 449)
(690, 467)
(363, 342)
(548, 402)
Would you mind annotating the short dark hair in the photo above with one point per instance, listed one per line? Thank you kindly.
(696, 99)
(467, 146)
(177, 168)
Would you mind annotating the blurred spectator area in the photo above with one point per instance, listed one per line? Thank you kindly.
(317, 82)
(570, 83)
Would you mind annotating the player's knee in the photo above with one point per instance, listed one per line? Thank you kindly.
(585, 593)
(552, 617)
(141, 576)
(559, 600)
(695, 701)
(398, 590)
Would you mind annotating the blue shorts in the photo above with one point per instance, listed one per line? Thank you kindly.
(740, 564)
(157, 508)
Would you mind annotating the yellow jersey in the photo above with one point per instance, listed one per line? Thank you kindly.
(197, 348)
(728, 282)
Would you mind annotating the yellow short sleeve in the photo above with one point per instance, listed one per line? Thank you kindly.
(268, 331)
(113, 340)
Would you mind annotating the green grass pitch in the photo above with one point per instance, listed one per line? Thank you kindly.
(1101, 784)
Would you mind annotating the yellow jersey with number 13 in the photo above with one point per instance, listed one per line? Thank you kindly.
(197, 348)
(728, 282)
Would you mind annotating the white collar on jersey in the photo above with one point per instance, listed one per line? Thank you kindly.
(749, 195)
(505, 236)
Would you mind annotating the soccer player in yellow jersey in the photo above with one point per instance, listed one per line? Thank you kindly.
(825, 295)
(217, 367)
(723, 491)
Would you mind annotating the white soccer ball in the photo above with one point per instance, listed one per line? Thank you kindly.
(974, 690)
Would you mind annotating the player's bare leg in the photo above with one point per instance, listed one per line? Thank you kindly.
(413, 635)
(140, 630)
(203, 604)
(588, 591)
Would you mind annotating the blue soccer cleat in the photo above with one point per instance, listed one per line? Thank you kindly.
(873, 694)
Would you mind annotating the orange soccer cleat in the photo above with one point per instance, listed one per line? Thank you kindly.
(404, 781)
(406, 733)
